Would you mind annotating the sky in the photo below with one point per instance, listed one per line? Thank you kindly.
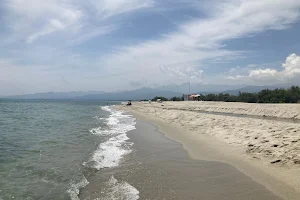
(113, 45)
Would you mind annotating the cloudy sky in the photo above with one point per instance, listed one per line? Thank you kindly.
(105, 45)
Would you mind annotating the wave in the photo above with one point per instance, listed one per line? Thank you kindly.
(76, 187)
(117, 123)
(110, 153)
(120, 191)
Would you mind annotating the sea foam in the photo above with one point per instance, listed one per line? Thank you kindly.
(75, 188)
(118, 122)
(110, 152)
(120, 190)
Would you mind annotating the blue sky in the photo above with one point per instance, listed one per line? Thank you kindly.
(109, 45)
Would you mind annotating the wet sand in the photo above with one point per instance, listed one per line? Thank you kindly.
(160, 169)
(169, 172)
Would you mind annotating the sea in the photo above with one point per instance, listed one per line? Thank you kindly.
(49, 149)
(89, 150)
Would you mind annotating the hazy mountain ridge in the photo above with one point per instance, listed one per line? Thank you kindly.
(149, 93)
(53, 95)
(198, 88)
(143, 93)
(256, 89)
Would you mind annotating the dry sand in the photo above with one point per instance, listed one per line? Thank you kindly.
(262, 140)
(287, 111)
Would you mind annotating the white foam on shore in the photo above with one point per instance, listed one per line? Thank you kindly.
(75, 188)
(118, 123)
(110, 153)
(120, 190)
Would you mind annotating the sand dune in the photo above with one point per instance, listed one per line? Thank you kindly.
(270, 132)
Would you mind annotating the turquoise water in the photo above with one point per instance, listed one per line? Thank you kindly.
(49, 149)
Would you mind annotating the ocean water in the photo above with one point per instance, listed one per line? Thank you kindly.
(50, 149)
(87, 150)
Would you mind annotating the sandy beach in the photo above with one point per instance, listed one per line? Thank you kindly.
(159, 168)
(261, 140)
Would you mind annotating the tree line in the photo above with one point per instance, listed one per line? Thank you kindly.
(280, 95)
(166, 99)
(291, 95)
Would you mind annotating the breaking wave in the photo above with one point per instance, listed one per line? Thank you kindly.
(110, 153)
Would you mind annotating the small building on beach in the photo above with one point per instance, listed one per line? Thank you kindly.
(189, 97)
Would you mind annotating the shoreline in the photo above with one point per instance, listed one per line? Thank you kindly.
(161, 158)
(282, 181)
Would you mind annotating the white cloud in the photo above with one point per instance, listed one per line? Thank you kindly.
(185, 75)
(30, 20)
(37, 36)
(290, 72)
(202, 39)
(50, 27)
(262, 74)
(109, 8)
(292, 66)
(53, 26)
(87, 35)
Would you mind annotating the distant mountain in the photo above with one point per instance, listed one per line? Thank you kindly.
(198, 88)
(149, 93)
(143, 93)
(256, 89)
(53, 95)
